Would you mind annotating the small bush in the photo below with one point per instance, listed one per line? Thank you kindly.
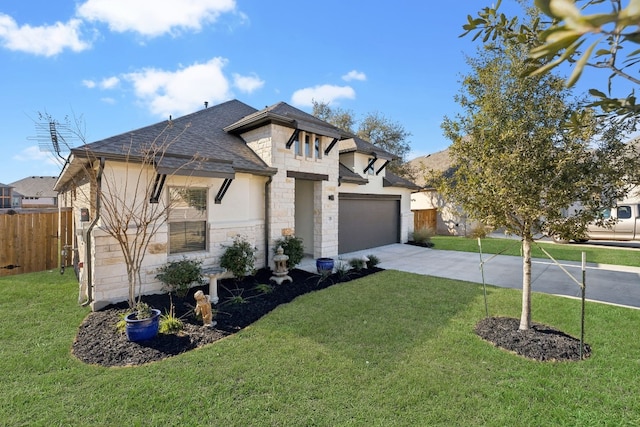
(373, 261)
(264, 288)
(343, 270)
(178, 276)
(423, 236)
(169, 323)
(292, 247)
(357, 263)
(239, 258)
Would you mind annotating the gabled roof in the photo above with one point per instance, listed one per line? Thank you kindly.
(36, 186)
(286, 115)
(359, 145)
(200, 134)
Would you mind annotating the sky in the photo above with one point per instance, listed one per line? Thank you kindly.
(118, 65)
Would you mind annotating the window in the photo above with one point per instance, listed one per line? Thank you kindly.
(369, 170)
(5, 197)
(307, 145)
(624, 212)
(297, 145)
(187, 219)
(317, 147)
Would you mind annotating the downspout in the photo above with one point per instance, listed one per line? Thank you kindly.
(87, 257)
(267, 219)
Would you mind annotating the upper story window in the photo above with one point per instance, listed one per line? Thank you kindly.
(370, 170)
(187, 219)
(317, 147)
(297, 145)
(5, 197)
(307, 145)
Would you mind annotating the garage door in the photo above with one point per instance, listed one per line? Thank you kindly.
(366, 221)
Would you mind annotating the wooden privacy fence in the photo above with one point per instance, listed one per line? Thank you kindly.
(425, 218)
(29, 240)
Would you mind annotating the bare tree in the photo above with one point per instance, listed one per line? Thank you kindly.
(126, 199)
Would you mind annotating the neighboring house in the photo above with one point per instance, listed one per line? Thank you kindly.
(428, 203)
(37, 191)
(262, 174)
(7, 197)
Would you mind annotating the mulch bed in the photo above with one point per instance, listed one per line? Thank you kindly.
(540, 342)
(241, 304)
(99, 343)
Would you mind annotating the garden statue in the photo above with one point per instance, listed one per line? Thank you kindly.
(281, 273)
(203, 307)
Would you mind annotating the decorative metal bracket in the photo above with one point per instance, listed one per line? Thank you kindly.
(223, 190)
(157, 188)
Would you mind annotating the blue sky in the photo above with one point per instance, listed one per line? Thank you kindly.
(123, 64)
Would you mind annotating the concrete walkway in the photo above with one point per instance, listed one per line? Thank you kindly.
(605, 283)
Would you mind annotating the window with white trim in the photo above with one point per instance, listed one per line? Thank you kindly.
(187, 219)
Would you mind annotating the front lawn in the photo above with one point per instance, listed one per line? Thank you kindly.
(567, 252)
(390, 349)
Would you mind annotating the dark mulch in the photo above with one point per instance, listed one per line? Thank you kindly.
(99, 343)
(541, 342)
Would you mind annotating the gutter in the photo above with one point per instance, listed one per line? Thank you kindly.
(88, 259)
(267, 219)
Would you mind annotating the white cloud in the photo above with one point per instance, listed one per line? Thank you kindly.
(354, 75)
(108, 100)
(34, 154)
(109, 82)
(247, 84)
(89, 83)
(183, 91)
(324, 93)
(46, 40)
(155, 17)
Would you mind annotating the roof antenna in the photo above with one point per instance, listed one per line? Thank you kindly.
(206, 104)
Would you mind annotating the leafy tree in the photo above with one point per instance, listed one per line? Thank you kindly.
(375, 128)
(593, 36)
(516, 166)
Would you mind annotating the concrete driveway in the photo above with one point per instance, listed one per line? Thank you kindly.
(605, 283)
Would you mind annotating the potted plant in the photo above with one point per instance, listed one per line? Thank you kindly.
(143, 323)
(324, 265)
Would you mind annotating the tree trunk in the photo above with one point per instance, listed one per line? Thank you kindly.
(525, 317)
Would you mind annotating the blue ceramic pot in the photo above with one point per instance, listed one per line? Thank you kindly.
(324, 265)
(142, 330)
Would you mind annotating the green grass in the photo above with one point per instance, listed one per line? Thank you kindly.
(390, 349)
(567, 252)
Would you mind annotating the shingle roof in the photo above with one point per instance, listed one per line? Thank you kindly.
(359, 145)
(200, 133)
(36, 186)
(393, 180)
(347, 175)
(284, 114)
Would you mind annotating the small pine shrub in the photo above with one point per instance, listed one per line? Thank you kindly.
(292, 247)
(178, 276)
(239, 258)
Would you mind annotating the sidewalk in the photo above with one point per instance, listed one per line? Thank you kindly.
(606, 283)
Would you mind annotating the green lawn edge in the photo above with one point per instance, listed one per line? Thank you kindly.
(391, 349)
